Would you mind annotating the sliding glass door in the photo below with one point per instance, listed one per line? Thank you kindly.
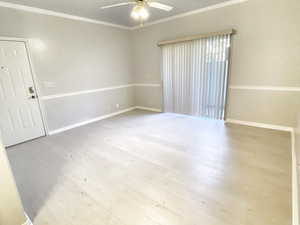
(195, 76)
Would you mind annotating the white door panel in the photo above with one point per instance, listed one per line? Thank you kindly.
(20, 116)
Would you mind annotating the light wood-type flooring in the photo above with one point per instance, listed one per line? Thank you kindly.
(143, 168)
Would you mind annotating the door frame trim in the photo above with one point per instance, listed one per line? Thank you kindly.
(34, 79)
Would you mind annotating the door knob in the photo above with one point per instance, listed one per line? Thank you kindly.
(31, 92)
(32, 97)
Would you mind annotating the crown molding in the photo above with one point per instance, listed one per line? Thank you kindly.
(197, 11)
(88, 20)
(58, 14)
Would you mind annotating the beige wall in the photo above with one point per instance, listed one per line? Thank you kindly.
(265, 52)
(68, 111)
(148, 97)
(82, 56)
(11, 210)
(78, 56)
(74, 56)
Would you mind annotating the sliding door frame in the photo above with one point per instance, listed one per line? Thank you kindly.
(228, 77)
(226, 86)
(162, 82)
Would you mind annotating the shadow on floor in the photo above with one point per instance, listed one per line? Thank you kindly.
(38, 167)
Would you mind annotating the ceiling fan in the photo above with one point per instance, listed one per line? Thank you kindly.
(139, 11)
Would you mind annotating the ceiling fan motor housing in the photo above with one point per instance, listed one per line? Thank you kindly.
(141, 2)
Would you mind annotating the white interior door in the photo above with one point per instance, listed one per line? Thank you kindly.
(20, 115)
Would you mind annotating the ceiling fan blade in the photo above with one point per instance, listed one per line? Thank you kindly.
(117, 5)
(161, 6)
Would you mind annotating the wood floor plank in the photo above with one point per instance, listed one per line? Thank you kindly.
(144, 168)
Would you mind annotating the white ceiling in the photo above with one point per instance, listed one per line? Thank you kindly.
(120, 15)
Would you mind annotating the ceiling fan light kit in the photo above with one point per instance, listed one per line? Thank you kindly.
(140, 11)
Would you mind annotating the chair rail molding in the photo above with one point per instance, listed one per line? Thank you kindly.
(264, 88)
(90, 91)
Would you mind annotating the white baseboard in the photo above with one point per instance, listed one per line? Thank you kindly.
(90, 121)
(295, 197)
(148, 109)
(261, 125)
(100, 118)
(295, 206)
(28, 221)
(247, 123)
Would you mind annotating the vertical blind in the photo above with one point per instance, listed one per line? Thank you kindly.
(195, 76)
